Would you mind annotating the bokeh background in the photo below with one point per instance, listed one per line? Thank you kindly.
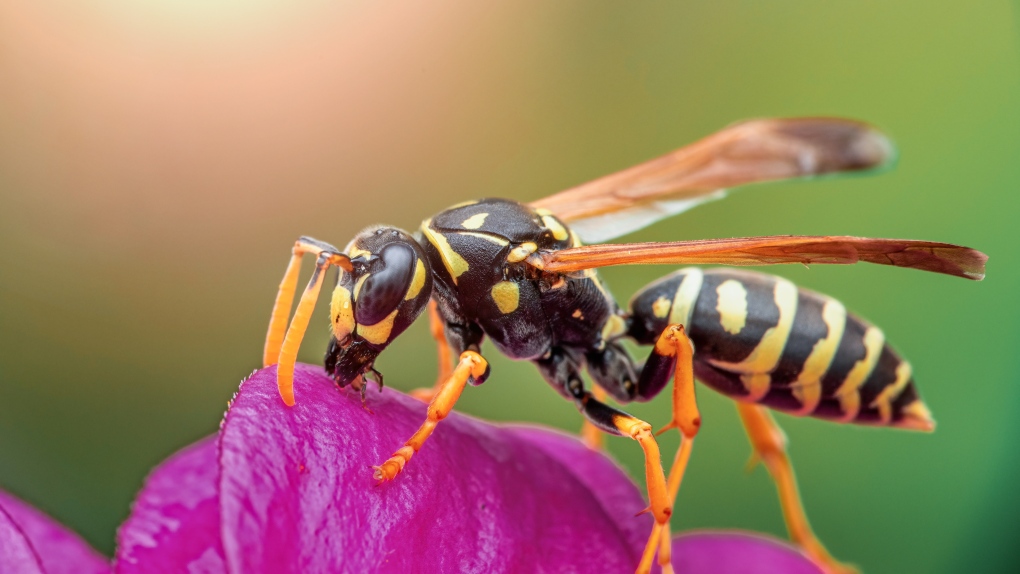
(158, 158)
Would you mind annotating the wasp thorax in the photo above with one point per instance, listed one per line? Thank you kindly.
(387, 288)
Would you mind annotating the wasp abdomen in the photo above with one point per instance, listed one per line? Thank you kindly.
(759, 338)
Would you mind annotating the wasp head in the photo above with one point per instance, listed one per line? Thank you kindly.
(388, 287)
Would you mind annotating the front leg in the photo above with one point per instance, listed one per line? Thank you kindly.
(472, 367)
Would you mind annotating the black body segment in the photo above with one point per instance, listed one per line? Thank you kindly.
(479, 254)
(758, 338)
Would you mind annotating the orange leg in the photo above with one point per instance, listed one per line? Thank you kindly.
(282, 343)
(769, 443)
(590, 434)
(686, 418)
(445, 355)
(658, 496)
(471, 366)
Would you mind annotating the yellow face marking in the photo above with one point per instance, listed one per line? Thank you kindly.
(475, 221)
(916, 416)
(358, 284)
(559, 232)
(342, 313)
(883, 402)
(849, 397)
(380, 332)
(507, 296)
(732, 305)
(755, 369)
(521, 252)
(660, 308)
(686, 296)
(614, 328)
(358, 252)
(808, 386)
(454, 263)
(577, 314)
(417, 282)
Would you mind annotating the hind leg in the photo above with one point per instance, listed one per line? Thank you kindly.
(769, 443)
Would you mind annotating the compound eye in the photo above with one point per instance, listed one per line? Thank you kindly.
(388, 281)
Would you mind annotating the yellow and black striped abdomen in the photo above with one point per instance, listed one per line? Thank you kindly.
(759, 338)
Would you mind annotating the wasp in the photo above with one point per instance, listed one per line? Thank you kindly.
(519, 275)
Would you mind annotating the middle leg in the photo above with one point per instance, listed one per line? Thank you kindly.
(561, 370)
(444, 352)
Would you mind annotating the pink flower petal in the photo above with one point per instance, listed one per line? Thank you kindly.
(297, 494)
(30, 541)
(16, 554)
(175, 521)
(734, 552)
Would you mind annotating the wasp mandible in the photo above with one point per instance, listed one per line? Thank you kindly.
(519, 275)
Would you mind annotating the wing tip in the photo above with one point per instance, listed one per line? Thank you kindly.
(834, 145)
(972, 264)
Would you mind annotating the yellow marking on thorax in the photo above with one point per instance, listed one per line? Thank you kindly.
(660, 308)
(848, 392)
(577, 314)
(490, 238)
(755, 371)
(808, 386)
(475, 221)
(575, 241)
(342, 313)
(615, 327)
(358, 252)
(417, 282)
(507, 296)
(380, 332)
(686, 297)
(521, 252)
(454, 263)
(887, 395)
(732, 306)
(559, 232)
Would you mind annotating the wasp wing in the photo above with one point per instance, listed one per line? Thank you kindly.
(839, 250)
(748, 152)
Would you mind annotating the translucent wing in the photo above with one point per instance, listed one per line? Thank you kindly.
(840, 250)
(748, 152)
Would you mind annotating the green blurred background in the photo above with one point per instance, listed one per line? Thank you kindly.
(157, 159)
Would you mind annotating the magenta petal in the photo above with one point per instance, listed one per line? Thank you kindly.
(599, 474)
(16, 554)
(734, 552)
(175, 521)
(297, 494)
(59, 550)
